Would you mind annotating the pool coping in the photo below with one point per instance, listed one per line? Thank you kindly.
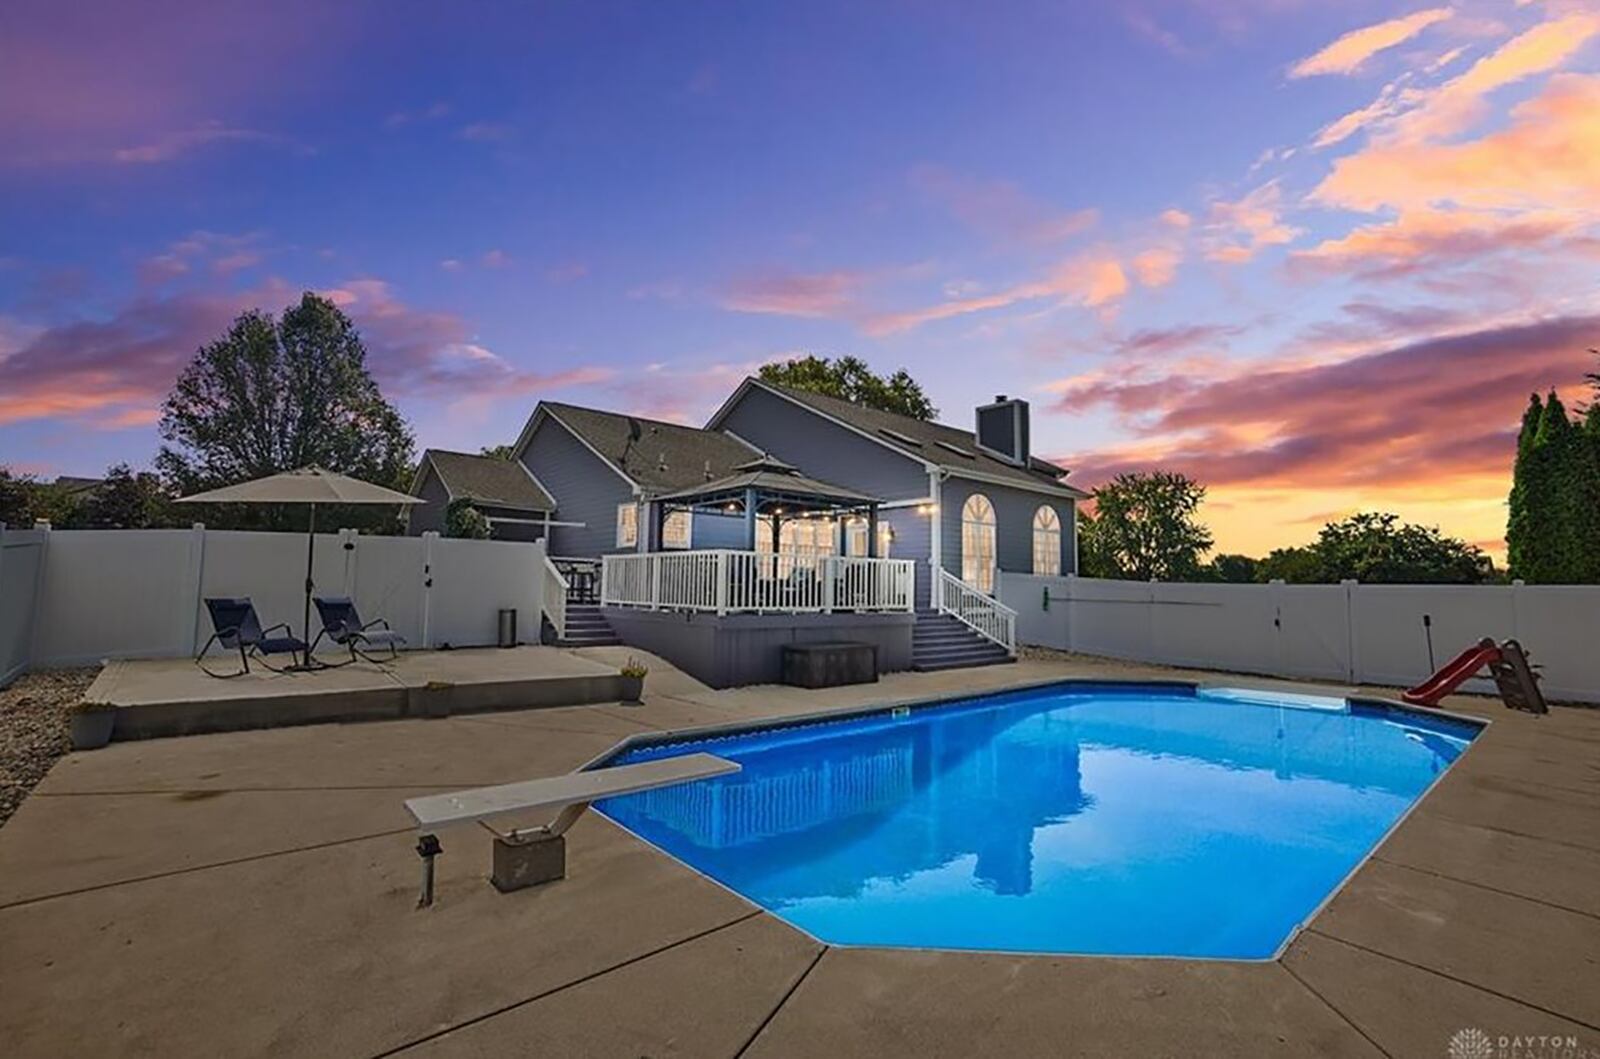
(845, 713)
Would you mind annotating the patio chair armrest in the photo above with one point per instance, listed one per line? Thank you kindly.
(374, 621)
(281, 625)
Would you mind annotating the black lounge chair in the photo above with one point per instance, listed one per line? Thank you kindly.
(342, 625)
(238, 628)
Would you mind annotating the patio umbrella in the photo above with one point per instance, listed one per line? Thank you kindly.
(309, 485)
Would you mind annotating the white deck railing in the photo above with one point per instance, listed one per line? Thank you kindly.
(724, 581)
(982, 613)
(553, 596)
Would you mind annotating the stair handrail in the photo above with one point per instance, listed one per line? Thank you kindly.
(978, 611)
(553, 595)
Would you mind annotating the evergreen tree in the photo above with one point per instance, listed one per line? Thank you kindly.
(1519, 518)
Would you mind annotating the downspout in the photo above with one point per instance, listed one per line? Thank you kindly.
(936, 536)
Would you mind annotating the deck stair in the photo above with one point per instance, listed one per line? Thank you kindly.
(940, 641)
(587, 627)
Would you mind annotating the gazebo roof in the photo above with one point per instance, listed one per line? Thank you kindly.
(772, 479)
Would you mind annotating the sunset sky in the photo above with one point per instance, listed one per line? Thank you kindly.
(1315, 254)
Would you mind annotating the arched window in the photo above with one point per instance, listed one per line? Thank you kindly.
(977, 543)
(1046, 541)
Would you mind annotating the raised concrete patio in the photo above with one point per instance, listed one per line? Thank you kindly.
(252, 893)
(173, 696)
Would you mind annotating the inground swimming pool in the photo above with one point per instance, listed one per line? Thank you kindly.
(1090, 818)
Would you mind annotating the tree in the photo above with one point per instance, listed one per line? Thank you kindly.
(461, 519)
(19, 499)
(124, 500)
(849, 379)
(1145, 526)
(1553, 529)
(1092, 561)
(1524, 519)
(277, 395)
(498, 452)
(1297, 565)
(1232, 569)
(1380, 549)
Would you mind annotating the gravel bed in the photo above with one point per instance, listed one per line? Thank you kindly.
(34, 728)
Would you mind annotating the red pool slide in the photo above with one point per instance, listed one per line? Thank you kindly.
(1453, 674)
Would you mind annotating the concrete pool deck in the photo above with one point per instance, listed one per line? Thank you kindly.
(173, 696)
(252, 893)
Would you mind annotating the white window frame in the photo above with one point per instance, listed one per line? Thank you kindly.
(676, 529)
(980, 534)
(628, 525)
(855, 536)
(1047, 541)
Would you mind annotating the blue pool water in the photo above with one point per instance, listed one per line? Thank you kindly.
(1112, 819)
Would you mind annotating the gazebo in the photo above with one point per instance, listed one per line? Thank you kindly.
(769, 487)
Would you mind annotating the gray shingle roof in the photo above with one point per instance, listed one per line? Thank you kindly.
(488, 480)
(773, 477)
(667, 456)
(945, 446)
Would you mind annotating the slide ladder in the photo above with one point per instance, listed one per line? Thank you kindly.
(1508, 666)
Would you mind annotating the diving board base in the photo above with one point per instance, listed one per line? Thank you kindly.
(530, 862)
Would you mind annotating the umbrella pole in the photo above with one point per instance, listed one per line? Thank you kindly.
(305, 618)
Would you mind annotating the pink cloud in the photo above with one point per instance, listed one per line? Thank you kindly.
(1428, 412)
(1237, 231)
(1434, 240)
(151, 87)
(1351, 51)
(114, 372)
(998, 208)
(819, 294)
(1094, 279)
(172, 144)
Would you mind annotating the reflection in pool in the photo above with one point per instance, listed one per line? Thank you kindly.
(1077, 818)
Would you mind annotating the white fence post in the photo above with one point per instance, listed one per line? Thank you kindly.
(1276, 587)
(1352, 667)
(188, 624)
(655, 580)
(722, 581)
(43, 526)
(429, 539)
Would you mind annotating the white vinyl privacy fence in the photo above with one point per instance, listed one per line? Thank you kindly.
(21, 561)
(70, 597)
(1349, 632)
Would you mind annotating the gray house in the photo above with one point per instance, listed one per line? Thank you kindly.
(790, 518)
(968, 504)
(516, 505)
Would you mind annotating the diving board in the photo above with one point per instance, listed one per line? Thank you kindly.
(538, 854)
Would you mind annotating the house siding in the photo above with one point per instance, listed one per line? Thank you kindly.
(822, 448)
(428, 516)
(585, 489)
(1013, 516)
(913, 539)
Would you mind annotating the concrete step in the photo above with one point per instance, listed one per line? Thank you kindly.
(934, 667)
(975, 653)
